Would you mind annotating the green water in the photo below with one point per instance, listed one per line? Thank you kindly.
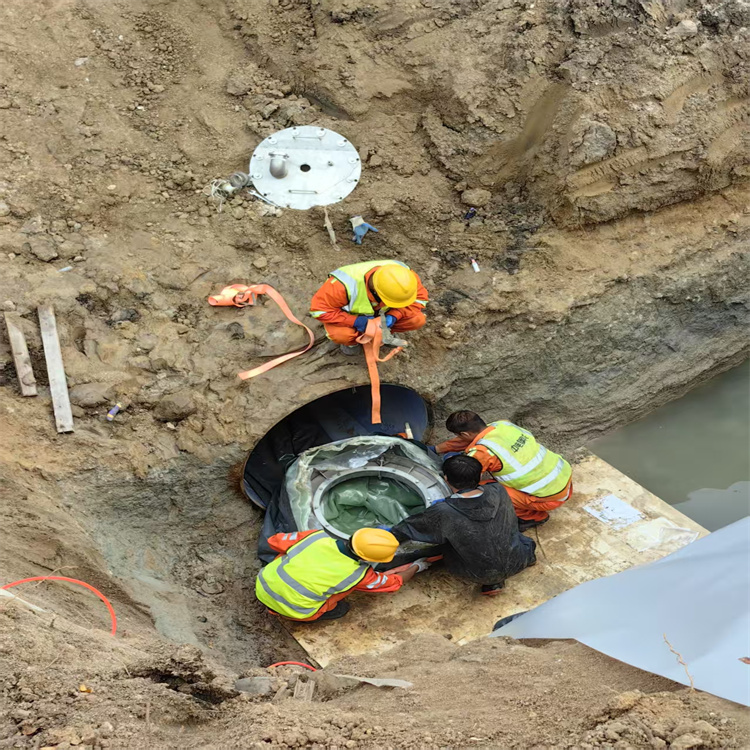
(694, 453)
(369, 501)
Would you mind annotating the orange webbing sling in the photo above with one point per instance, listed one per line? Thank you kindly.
(372, 340)
(239, 295)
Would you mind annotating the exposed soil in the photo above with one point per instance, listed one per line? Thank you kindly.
(606, 148)
(69, 686)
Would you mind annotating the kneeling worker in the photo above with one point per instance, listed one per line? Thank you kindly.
(476, 526)
(355, 294)
(314, 572)
(536, 479)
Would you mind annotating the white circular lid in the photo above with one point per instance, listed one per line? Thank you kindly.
(304, 167)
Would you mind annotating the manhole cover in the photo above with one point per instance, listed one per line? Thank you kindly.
(304, 167)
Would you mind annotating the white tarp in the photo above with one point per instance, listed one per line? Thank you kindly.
(698, 597)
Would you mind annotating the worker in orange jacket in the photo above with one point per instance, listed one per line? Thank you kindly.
(536, 479)
(314, 572)
(354, 294)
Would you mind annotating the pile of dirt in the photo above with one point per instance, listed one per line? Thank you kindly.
(69, 686)
(605, 148)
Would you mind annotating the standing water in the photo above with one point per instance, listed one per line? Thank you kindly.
(694, 453)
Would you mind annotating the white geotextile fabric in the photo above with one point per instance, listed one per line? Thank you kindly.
(698, 597)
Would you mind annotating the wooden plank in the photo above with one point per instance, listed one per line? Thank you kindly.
(58, 385)
(21, 357)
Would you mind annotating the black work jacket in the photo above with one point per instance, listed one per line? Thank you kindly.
(479, 535)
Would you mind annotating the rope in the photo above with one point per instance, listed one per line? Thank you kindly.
(112, 615)
(245, 296)
(372, 340)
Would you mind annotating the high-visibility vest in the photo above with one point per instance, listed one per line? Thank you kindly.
(527, 466)
(298, 583)
(353, 278)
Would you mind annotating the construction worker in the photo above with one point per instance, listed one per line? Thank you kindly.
(476, 526)
(536, 479)
(355, 294)
(314, 572)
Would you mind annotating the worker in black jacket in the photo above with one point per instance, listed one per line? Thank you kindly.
(476, 526)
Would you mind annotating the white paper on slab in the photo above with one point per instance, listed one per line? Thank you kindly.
(613, 511)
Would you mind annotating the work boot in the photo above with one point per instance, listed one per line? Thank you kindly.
(349, 350)
(525, 525)
(338, 611)
(493, 589)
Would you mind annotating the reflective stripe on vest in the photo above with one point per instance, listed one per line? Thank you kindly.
(353, 278)
(318, 562)
(535, 470)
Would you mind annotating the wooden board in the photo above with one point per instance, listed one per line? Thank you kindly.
(573, 546)
(58, 385)
(21, 358)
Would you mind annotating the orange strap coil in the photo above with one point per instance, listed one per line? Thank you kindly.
(239, 295)
(372, 340)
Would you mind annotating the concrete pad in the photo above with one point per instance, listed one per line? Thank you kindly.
(572, 547)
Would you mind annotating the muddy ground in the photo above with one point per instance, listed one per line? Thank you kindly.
(605, 146)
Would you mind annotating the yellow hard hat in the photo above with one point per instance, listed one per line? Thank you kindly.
(395, 285)
(374, 545)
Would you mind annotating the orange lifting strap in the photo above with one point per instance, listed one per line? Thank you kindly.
(372, 340)
(239, 295)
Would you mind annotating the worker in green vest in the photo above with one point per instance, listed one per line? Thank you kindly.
(536, 479)
(354, 294)
(314, 572)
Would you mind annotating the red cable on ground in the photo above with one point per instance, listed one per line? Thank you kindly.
(292, 663)
(112, 614)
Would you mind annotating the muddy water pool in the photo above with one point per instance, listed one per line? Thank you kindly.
(694, 452)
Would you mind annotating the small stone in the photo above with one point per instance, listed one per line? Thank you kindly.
(686, 742)
(382, 206)
(476, 197)
(260, 263)
(42, 248)
(598, 142)
(147, 341)
(701, 727)
(4, 209)
(316, 735)
(684, 29)
(4, 103)
(89, 395)
(204, 211)
(254, 685)
(238, 84)
(375, 161)
(238, 213)
(106, 730)
(9, 305)
(175, 406)
(80, 61)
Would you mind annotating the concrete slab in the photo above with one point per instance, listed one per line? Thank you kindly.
(575, 545)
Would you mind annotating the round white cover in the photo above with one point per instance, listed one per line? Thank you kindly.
(317, 167)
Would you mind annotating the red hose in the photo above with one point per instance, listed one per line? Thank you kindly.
(292, 663)
(71, 580)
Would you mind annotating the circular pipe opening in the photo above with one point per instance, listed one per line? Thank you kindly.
(335, 416)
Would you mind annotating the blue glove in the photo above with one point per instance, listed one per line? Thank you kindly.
(389, 320)
(360, 228)
(360, 324)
